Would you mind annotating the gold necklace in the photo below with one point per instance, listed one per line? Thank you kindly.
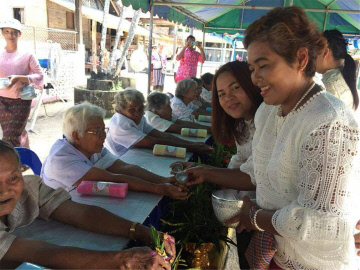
(279, 112)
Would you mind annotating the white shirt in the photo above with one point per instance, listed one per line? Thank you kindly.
(65, 165)
(117, 54)
(306, 171)
(157, 122)
(182, 111)
(335, 84)
(123, 133)
(244, 150)
(206, 95)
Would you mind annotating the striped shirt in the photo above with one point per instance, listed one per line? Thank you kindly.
(36, 200)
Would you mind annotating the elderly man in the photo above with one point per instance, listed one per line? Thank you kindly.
(23, 199)
(82, 156)
(128, 127)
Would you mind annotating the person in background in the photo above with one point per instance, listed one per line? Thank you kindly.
(338, 69)
(157, 63)
(189, 59)
(21, 68)
(182, 103)
(200, 102)
(163, 54)
(81, 156)
(25, 198)
(158, 114)
(117, 55)
(128, 128)
(207, 86)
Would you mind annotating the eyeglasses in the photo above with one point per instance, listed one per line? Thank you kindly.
(100, 132)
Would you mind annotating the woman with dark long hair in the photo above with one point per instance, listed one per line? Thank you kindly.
(338, 69)
(304, 157)
(235, 100)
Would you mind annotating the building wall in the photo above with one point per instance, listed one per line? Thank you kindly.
(35, 11)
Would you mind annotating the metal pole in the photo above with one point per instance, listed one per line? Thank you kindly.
(150, 46)
(251, 7)
(325, 21)
(174, 46)
(203, 45)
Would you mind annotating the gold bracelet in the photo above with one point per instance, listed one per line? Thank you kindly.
(132, 231)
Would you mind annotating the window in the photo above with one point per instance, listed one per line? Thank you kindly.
(19, 14)
(70, 22)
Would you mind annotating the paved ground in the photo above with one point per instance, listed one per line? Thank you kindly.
(48, 125)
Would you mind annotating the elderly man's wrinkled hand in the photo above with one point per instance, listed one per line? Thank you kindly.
(174, 192)
(141, 258)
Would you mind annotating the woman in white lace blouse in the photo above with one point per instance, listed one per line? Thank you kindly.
(338, 69)
(182, 103)
(304, 152)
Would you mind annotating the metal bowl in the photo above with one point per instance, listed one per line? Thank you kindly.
(176, 168)
(227, 203)
(181, 178)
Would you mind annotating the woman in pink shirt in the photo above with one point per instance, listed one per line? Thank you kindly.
(189, 59)
(21, 68)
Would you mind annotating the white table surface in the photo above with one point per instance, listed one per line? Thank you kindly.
(137, 206)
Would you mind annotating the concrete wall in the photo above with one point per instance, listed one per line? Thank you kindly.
(35, 11)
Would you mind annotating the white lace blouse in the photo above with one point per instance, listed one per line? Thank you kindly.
(308, 170)
(335, 84)
(243, 151)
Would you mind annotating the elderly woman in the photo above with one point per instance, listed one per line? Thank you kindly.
(22, 69)
(182, 104)
(200, 102)
(82, 156)
(128, 128)
(159, 115)
(23, 199)
(305, 153)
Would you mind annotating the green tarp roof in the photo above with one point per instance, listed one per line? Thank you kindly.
(210, 16)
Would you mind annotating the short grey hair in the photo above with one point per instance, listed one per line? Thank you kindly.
(7, 148)
(124, 97)
(183, 87)
(156, 101)
(78, 117)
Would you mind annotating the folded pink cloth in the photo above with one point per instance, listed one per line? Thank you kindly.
(118, 190)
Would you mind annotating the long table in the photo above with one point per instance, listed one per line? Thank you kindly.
(137, 206)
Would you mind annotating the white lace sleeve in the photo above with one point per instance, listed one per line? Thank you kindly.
(248, 168)
(323, 212)
(181, 111)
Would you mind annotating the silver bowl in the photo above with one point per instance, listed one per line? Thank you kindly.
(181, 178)
(176, 168)
(227, 203)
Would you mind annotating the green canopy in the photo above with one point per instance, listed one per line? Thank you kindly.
(234, 16)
